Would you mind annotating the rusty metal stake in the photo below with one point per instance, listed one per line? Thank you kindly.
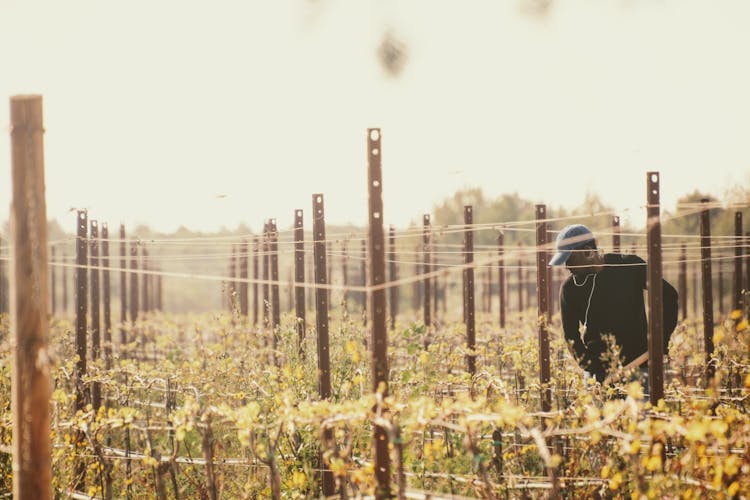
(96, 388)
(501, 276)
(321, 321)
(123, 288)
(682, 281)
(737, 261)
(542, 291)
(256, 250)
(616, 234)
(275, 306)
(106, 298)
(654, 285)
(299, 278)
(426, 309)
(81, 341)
(377, 308)
(393, 276)
(469, 288)
(708, 302)
(243, 278)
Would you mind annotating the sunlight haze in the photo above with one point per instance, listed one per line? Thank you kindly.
(211, 114)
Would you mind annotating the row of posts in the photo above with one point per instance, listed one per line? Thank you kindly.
(29, 325)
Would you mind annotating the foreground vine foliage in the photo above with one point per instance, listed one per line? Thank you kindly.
(194, 406)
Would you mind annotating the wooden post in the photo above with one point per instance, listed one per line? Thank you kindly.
(655, 305)
(426, 306)
(299, 278)
(243, 278)
(501, 276)
(737, 261)
(106, 298)
(682, 281)
(321, 321)
(393, 276)
(29, 296)
(377, 308)
(706, 279)
(542, 290)
(469, 288)
(96, 388)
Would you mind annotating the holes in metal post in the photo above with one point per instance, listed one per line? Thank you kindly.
(374, 134)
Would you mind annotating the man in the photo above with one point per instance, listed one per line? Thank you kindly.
(604, 295)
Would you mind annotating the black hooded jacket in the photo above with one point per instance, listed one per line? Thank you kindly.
(611, 302)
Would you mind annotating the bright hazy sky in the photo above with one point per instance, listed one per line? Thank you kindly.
(210, 114)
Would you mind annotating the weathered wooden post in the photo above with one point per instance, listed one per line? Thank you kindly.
(321, 322)
(469, 288)
(377, 308)
(706, 279)
(655, 305)
(299, 278)
(96, 388)
(29, 296)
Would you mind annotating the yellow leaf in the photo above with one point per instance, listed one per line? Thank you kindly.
(736, 314)
(718, 336)
(742, 325)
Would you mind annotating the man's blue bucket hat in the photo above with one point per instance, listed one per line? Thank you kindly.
(570, 238)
